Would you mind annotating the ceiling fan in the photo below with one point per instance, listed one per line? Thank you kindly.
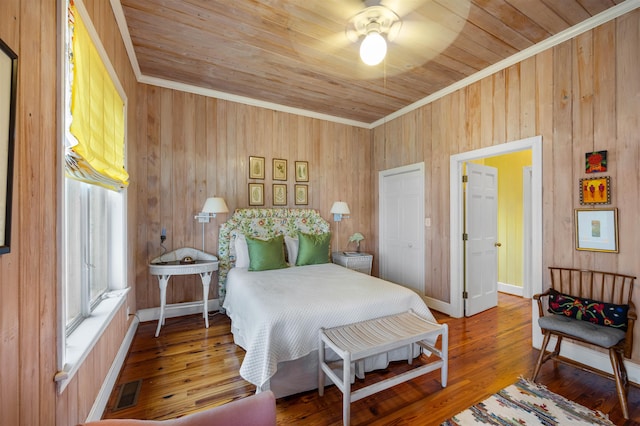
(367, 38)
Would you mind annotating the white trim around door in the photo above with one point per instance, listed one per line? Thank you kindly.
(456, 306)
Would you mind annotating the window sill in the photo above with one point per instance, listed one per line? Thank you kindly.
(80, 343)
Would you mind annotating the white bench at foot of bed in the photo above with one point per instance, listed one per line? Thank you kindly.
(355, 342)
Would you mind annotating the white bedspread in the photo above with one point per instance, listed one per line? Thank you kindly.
(276, 315)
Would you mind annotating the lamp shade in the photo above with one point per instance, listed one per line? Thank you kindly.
(373, 48)
(215, 205)
(340, 207)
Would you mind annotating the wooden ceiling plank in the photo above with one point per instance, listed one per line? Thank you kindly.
(506, 22)
(569, 11)
(318, 99)
(296, 54)
(545, 16)
(596, 6)
(494, 26)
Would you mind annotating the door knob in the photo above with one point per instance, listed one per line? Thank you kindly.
(497, 244)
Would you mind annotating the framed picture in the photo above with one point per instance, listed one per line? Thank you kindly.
(8, 88)
(256, 167)
(597, 230)
(256, 194)
(302, 171)
(301, 194)
(279, 169)
(595, 162)
(595, 190)
(279, 194)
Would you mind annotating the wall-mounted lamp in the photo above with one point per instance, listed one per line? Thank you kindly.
(339, 210)
(212, 206)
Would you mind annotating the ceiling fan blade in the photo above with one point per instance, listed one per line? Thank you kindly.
(317, 32)
(427, 31)
(403, 7)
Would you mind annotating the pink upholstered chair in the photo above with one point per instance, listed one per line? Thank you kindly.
(255, 410)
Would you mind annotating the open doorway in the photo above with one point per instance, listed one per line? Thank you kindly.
(534, 261)
(513, 230)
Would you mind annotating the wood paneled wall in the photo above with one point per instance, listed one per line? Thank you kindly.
(29, 274)
(193, 147)
(582, 95)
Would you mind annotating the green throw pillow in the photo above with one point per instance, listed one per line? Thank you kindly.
(313, 249)
(266, 254)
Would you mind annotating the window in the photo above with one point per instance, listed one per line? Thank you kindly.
(93, 242)
(93, 205)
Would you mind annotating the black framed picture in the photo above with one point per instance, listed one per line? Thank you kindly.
(8, 87)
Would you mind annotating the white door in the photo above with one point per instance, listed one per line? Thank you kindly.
(481, 245)
(401, 226)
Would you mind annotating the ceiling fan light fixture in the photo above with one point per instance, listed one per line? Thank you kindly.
(375, 25)
(373, 48)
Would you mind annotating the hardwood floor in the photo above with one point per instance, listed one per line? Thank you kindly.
(189, 368)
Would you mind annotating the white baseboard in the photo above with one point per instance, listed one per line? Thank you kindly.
(510, 289)
(109, 382)
(176, 310)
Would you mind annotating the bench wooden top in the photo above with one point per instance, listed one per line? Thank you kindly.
(379, 335)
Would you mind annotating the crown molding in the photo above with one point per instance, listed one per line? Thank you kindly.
(561, 37)
(569, 33)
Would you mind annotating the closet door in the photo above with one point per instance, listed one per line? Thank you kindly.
(402, 226)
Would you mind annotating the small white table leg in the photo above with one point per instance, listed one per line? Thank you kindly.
(206, 280)
(162, 283)
(320, 362)
(346, 393)
(445, 355)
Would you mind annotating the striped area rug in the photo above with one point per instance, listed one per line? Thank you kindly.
(527, 403)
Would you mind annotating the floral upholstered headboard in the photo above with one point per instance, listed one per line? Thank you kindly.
(262, 223)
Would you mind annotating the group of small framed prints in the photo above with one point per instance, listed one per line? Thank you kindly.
(596, 228)
(595, 190)
(279, 173)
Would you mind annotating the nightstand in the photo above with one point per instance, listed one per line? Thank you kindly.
(360, 262)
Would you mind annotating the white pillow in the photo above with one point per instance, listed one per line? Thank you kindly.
(242, 252)
(292, 249)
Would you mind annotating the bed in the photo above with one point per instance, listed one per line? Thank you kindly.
(276, 314)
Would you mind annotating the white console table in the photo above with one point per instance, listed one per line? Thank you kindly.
(164, 271)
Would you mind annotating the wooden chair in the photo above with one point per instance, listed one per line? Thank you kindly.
(595, 286)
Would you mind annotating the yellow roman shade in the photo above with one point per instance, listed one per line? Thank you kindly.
(97, 116)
